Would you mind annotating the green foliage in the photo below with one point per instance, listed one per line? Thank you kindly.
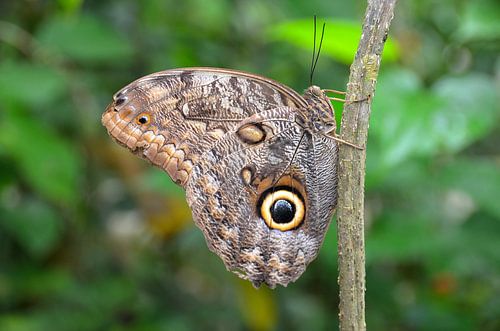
(415, 121)
(30, 83)
(92, 238)
(84, 39)
(36, 227)
(340, 41)
(481, 22)
(50, 165)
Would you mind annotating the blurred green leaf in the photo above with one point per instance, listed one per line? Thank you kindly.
(305, 312)
(48, 163)
(20, 322)
(30, 83)
(70, 6)
(398, 122)
(463, 174)
(409, 120)
(119, 293)
(6, 170)
(471, 113)
(35, 226)
(157, 180)
(86, 308)
(469, 249)
(85, 39)
(481, 21)
(400, 236)
(340, 41)
(33, 281)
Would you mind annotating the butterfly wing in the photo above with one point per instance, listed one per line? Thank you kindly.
(173, 116)
(229, 190)
(231, 138)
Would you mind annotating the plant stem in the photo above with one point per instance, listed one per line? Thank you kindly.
(354, 128)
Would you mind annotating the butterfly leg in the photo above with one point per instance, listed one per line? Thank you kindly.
(348, 101)
(342, 141)
(337, 99)
(343, 93)
(336, 92)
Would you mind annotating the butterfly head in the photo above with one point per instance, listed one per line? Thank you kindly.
(320, 115)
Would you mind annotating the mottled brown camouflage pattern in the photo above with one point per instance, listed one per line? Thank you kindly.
(226, 137)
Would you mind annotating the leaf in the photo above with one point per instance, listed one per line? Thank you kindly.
(398, 121)
(157, 180)
(30, 83)
(39, 280)
(340, 41)
(19, 322)
(70, 6)
(480, 21)
(85, 39)
(463, 174)
(36, 227)
(47, 162)
(86, 308)
(409, 121)
(398, 237)
(305, 311)
(472, 109)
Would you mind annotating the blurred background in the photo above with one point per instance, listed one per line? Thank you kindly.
(94, 238)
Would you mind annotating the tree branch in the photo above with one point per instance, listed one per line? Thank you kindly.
(354, 129)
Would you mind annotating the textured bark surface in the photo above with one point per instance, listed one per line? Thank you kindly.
(354, 128)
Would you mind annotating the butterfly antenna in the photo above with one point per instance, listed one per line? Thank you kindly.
(311, 71)
(319, 48)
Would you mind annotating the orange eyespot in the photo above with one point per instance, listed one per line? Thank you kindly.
(142, 119)
(282, 209)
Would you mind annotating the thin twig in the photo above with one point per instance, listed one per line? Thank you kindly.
(354, 128)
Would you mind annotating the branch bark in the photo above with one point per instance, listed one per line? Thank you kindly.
(354, 129)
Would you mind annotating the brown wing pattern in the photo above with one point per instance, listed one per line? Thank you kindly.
(226, 188)
(239, 144)
(173, 116)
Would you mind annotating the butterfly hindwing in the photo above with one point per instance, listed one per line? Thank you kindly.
(227, 189)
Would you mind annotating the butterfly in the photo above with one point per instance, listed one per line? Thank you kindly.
(258, 161)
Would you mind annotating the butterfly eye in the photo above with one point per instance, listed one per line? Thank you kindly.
(142, 119)
(282, 209)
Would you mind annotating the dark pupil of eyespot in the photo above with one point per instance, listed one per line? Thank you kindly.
(282, 211)
(143, 120)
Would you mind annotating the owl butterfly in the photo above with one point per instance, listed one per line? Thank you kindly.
(257, 160)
